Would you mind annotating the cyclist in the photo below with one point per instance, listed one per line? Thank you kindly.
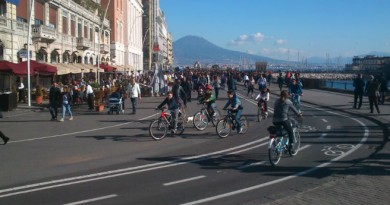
(173, 107)
(295, 90)
(263, 97)
(209, 98)
(281, 108)
(235, 103)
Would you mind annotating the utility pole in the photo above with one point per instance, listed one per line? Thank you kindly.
(31, 6)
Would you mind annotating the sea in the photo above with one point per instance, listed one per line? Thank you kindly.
(344, 84)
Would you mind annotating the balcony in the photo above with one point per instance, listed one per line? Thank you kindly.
(83, 43)
(43, 33)
(104, 48)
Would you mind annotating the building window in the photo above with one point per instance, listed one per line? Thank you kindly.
(38, 22)
(73, 25)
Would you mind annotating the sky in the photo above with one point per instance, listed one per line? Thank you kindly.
(284, 29)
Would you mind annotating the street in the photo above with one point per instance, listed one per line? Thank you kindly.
(111, 159)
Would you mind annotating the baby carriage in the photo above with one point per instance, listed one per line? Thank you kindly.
(115, 103)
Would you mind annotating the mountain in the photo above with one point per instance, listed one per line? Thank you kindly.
(190, 49)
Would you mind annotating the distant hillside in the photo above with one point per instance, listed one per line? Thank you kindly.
(190, 49)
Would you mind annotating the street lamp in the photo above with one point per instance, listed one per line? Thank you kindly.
(99, 40)
(31, 6)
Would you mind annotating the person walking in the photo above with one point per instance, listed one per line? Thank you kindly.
(66, 101)
(90, 96)
(383, 89)
(54, 100)
(2, 136)
(21, 91)
(280, 81)
(358, 92)
(134, 93)
(216, 85)
(372, 90)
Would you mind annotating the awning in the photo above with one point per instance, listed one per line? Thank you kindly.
(37, 67)
(6, 66)
(64, 68)
(107, 68)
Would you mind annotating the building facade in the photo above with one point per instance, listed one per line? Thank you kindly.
(369, 64)
(126, 33)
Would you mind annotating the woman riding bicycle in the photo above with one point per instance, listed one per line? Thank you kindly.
(173, 107)
(263, 97)
(281, 108)
(236, 106)
(295, 90)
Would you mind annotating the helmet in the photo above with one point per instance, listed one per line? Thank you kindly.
(209, 87)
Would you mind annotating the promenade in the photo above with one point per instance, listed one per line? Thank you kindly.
(366, 182)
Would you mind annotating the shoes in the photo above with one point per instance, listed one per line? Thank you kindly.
(62, 119)
(52, 119)
(241, 130)
(6, 139)
(173, 131)
(214, 114)
(71, 118)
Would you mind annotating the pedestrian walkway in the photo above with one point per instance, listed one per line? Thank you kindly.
(367, 182)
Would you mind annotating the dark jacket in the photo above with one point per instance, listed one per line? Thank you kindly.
(172, 104)
(359, 84)
(54, 95)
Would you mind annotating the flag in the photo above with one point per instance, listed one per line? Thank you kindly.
(16, 2)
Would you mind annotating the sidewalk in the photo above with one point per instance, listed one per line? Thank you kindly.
(367, 182)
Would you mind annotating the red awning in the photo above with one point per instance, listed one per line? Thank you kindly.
(6, 66)
(37, 67)
(107, 68)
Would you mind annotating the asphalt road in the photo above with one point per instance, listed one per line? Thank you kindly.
(110, 159)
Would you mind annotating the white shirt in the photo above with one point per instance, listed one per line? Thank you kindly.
(134, 90)
(264, 96)
(21, 86)
(89, 89)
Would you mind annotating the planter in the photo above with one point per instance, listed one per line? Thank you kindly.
(99, 108)
(39, 99)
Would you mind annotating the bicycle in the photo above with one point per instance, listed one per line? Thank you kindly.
(261, 112)
(203, 117)
(158, 128)
(279, 142)
(227, 124)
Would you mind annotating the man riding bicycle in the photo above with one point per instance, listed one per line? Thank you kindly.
(281, 108)
(209, 98)
(173, 107)
(263, 97)
(236, 106)
(295, 90)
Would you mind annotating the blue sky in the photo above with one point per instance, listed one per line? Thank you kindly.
(275, 28)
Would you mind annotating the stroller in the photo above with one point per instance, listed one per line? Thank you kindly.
(115, 103)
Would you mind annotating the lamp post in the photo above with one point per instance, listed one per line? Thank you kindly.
(31, 6)
(99, 39)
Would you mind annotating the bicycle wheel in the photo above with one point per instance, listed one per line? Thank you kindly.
(216, 117)
(244, 124)
(223, 128)
(200, 121)
(295, 146)
(274, 153)
(181, 125)
(158, 129)
(259, 115)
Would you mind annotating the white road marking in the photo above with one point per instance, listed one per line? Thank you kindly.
(324, 120)
(92, 200)
(247, 189)
(304, 147)
(84, 131)
(328, 127)
(270, 110)
(323, 135)
(184, 180)
(251, 165)
(119, 172)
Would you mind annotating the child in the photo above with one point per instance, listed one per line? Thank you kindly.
(263, 96)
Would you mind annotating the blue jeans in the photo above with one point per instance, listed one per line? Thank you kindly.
(237, 119)
(298, 99)
(66, 108)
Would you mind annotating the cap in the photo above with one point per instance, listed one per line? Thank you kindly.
(209, 87)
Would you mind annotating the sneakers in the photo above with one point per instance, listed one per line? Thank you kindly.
(241, 130)
(61, 120)
(174, 131)
(6, 139)
(71, 118)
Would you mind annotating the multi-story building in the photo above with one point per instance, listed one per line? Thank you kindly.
(170, 50)
(369, 64)
(155, 36)
(126, 38)
(63, 33)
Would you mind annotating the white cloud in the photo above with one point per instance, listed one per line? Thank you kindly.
(247, 39)
(280, 42)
